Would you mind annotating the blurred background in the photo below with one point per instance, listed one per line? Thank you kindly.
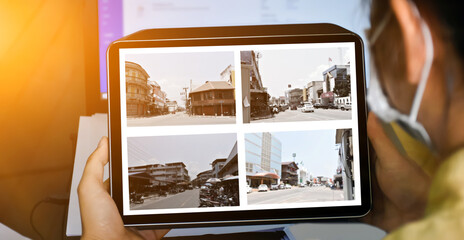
(52, 67)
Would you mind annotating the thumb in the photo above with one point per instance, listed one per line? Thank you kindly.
(93, 172)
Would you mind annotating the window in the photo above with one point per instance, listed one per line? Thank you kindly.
(249, 167)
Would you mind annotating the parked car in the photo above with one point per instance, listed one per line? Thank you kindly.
(308, 107)
(274, 187)
(262, 188)
(281, 186)
(288, 186)
(302, 185)
(333, 106)
(248, 189)
(346, 106)
(317, 105)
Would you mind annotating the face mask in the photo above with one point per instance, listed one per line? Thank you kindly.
(379, 103)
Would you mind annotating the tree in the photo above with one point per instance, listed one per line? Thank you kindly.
(343, 88)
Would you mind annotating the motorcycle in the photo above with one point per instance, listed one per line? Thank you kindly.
(136, 198)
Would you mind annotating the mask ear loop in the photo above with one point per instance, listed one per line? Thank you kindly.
(429, 53)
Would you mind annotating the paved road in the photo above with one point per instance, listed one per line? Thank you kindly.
(317, 115)
(187, 199)
(295, 195)
(179, 118)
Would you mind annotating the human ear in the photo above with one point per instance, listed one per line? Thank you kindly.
(414, 43)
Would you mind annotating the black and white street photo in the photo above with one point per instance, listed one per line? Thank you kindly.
(291, 85)
(299, 166)
(188, 171)
(170, 89)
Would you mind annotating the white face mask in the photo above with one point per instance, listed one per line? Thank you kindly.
(379, 103)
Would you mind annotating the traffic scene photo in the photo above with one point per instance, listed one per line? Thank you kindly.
(188, 171)
(169, 89)
(299, 166)
(296, 85)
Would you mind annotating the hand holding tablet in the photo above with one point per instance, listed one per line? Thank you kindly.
(238, 125)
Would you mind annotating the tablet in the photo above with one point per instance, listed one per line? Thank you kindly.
(238, 125)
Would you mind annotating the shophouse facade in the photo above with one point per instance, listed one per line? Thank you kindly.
(213, 98)
(137, 90)
(290, 173)
(164, 174)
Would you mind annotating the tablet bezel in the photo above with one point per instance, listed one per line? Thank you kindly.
(236, 217)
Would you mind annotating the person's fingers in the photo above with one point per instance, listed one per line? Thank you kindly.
(93, 172)
(399, 178)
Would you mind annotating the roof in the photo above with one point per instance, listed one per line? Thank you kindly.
(138, 67)
(218, 160)
(213, 85)
(290, 163)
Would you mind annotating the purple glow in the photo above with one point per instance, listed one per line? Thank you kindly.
(109, 30)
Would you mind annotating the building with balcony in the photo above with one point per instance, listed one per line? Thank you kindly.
(163, 174)
(202, 177)
(138, 96)
(157, 104)
(263, 159)
(213, 98)
(290, 173)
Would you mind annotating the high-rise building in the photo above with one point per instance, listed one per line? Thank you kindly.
(263, 158)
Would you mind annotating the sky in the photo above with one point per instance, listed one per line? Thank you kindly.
(173, 71)
(316, 149)
(195, 151)
(297, 67)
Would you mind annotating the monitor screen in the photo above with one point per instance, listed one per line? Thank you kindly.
(118, 18)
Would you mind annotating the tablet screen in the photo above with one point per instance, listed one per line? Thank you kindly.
(240, 127)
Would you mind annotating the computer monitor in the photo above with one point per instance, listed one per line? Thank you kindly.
(118, 18)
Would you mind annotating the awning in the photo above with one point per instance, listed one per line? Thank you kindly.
(265, 175)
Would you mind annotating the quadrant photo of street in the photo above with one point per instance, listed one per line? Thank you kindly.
(299, 166)
(188, 171)
(288, 85)
(171, 89)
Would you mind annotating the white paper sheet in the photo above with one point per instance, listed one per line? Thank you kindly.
(91, 130)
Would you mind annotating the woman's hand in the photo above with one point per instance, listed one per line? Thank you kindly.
(399, 186)
(99, 214)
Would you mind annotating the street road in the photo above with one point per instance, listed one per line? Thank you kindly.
(177, 119)
(317, 115)
(187, 199)
(295, 195)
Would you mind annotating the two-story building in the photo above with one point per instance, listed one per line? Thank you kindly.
(213, 98)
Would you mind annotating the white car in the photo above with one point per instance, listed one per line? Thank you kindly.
(249, 189)
(263, 188)
(308, 107)
(288, 186)
(346, 106)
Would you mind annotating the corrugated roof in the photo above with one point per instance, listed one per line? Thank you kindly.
(210, 85)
